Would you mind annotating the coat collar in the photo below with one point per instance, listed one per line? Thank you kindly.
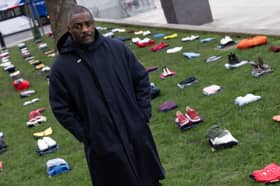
(66, 44)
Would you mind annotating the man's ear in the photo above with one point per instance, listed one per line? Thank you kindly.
(68, 29)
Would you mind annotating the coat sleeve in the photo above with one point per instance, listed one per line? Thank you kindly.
(62, 108)
(141, 85)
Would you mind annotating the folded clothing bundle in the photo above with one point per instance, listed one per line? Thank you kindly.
(220, 138)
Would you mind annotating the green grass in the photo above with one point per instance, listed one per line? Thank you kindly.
(186, 155)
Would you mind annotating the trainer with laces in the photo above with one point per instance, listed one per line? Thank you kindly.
(182, 121)
(187, 82)
(192, 115)
(234, 61)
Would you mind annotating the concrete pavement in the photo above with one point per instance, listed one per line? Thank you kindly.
(230, 16)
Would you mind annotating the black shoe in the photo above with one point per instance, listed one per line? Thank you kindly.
(232, 59)
(155, 91)
(187, 82)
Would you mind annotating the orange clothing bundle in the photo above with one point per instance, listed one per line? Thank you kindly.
(251, 42)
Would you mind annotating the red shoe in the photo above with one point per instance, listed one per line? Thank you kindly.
(159, 46)
(182, 121)
(145, 44)
(192, 115)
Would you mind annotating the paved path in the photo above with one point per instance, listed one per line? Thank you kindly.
(235, 16)
(230, 16)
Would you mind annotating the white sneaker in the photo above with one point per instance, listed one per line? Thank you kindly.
(174, 50)
(42, 145)
(49, 141)
(135, 39)
(147, 32)
(191, 38)
(226, 40)
(55, 162)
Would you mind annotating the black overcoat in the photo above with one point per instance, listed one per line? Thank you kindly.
(101, 94)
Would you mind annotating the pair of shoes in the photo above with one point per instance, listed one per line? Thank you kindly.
(260, 68)
(145, 42)
(159, 46)
(31, 101)
(46, 145)
(57, 166)
(187, 82)
(166, 72)
(35, 113)
(27, 93)
(36, 121)
(171, 36)
(186, 120)
(190, 38)
(212, 58)
(248, 98)
(43, 133)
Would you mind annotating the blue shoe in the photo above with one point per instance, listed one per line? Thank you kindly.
(58, 169)
(160, 35)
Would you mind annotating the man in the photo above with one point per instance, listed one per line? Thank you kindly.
(101, 94)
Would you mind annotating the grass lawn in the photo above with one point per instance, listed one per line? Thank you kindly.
(186, 155)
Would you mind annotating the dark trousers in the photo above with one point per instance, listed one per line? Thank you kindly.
(2, 42)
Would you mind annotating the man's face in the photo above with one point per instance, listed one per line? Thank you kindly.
(82, 28)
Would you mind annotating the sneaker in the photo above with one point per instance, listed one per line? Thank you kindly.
(212, 58)
(192, 115)
(187, 82)
(226, 40)
(174, 50)
(27, 93)
(191, 55)
(159, 46)
(191, 38)
(182, 121)
(36, 120)
(233, 59)
(171, 36)
(59, 169)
